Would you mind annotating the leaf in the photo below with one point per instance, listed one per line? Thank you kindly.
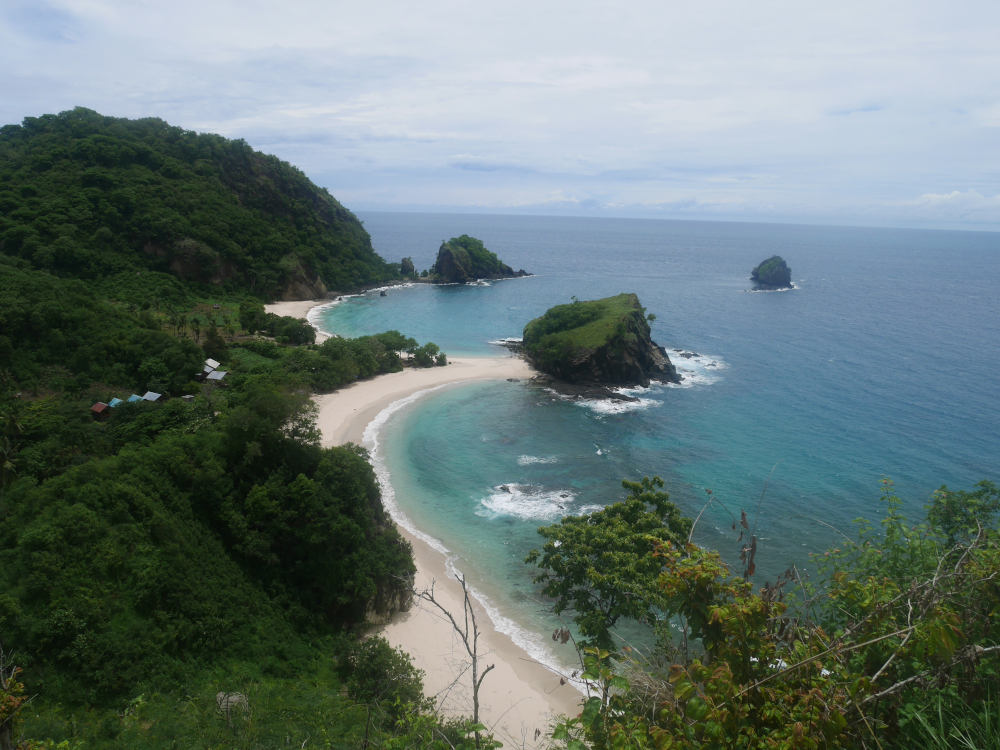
(619, 683)
(591, 711)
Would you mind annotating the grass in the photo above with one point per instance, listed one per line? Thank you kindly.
(579, 326)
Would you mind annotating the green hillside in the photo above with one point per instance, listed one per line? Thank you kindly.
(88, 196)
(162, 551)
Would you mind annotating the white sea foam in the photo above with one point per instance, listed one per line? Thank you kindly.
(386, 288)
(605, 406)
(528, 640)
(528, 460)
(791, 288)
(528, 502)
(696, 369)
(315, 316)
(370, 440)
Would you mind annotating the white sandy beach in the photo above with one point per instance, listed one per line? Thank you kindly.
(299, 309)
(519, 696)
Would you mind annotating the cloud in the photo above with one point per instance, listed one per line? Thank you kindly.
(777, 107)
(969, 206)
(43, 21)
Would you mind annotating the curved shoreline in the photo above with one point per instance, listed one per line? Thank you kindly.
(520, 695)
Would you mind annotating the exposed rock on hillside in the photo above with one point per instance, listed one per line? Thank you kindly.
(772, 273)
(599, 342)
(464, 259)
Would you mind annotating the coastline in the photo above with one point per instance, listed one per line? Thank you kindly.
(520, 696)
(300, 309)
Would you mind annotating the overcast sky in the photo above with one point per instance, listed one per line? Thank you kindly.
(873, 112)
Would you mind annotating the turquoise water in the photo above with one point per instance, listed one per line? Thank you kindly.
(882, 363)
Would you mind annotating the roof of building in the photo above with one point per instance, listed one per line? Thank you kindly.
(115, 402)
(134, 397)
(212, 363)
(99, 407)
(151, 396)
(216, 375)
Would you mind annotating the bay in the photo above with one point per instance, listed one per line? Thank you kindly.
(795, 405)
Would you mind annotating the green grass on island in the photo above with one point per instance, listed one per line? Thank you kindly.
(566, 333)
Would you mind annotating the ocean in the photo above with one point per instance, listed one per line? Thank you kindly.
(795, 405)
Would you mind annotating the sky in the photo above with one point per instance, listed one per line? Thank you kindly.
(870, 113)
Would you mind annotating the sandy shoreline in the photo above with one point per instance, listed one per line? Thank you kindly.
(299, 309)
(519, 696)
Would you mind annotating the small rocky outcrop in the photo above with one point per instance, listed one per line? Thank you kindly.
(603, 342)
(772, 273)
(464, 259)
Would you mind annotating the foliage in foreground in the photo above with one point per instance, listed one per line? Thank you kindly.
(325, 704)
(899, 646)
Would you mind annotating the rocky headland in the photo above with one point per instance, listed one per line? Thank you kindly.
(463, 259)
(597, 343)
(772, 273)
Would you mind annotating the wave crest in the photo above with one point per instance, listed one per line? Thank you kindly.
(531, 502)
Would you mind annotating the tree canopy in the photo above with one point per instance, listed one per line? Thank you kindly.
(897, 645)
(89, 196)
(602, 566)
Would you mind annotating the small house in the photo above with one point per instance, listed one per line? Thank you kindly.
(100, 410)
(151, 396)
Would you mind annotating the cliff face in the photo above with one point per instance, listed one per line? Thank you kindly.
(772, 273)
(464, 259)
(599, 342)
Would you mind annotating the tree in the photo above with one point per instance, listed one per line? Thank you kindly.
(468, 631)
(12, 700)
(425, 356)
(905, 623)
(214, 346)
(602, 565)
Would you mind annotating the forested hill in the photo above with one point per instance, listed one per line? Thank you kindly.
(158, 550)
(89, 196)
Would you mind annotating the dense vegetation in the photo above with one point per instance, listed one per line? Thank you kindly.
(164, 552)
(87, 196)
(195, 572)
(772, 273)
(463, 259)
(206, 542)
(604, 341)
(896, 645)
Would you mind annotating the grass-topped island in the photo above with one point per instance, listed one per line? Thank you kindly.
(598, 342)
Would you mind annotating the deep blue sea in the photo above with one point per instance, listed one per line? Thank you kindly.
(882, 363)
